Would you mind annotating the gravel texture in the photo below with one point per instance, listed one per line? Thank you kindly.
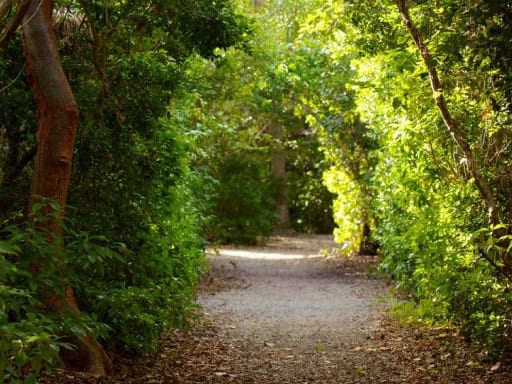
(289, 292)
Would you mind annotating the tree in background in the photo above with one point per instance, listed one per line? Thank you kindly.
(243, 113)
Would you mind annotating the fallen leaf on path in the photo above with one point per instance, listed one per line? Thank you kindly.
(360, 370)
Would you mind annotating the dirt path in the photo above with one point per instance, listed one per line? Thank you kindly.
(287, 313)
(289, 295)
(303, 313)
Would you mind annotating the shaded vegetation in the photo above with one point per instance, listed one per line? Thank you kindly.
(187, 107)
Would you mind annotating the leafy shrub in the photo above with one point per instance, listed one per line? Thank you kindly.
(347, 208)
(243, 204)
(127, 298)
(138, 295)
(426, 227)
(137, 247)
(480, 304)
(31, 338)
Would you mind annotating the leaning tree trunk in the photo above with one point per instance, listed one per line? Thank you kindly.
(451, 124)
(460, 139)
(58, 120)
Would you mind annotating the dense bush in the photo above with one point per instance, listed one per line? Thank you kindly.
(426, 210)
(32, 337)
(231, 155)
(140, 243)
(133, 243)
(29, 337)
(243, 203)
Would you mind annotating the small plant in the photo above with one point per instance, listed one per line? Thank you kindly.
(31, 338)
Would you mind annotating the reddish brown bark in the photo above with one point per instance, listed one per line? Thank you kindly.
(58, 120)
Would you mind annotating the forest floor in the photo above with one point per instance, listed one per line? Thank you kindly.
(293, 312)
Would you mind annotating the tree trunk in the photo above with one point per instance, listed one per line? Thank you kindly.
(58, 120)
(451, 124)
(368, 245)
(279, 174)
(258, 4)
(460, 139)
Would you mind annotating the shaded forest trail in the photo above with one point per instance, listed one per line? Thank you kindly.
(288, 312)
(289, 296)
(297, 314)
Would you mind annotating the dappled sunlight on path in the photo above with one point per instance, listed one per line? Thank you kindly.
(291, 297)
(263, 255)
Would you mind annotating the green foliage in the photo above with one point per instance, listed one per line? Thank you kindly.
(480, 303)
(158, 255)
(409, 313)
(326, 100)
(139, 294)
(191, 149)
(243, 206)
(413, 181)
(231, 156)
(347, 209)
(28, 337)
(31, 338)
(139, 250)
(127, 299)
(17, 134)
(310, 201)
(138, 210)
(133, 244)
(235, 101)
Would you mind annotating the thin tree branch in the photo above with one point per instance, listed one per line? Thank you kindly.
(13, 80)
(450, 123)
(501, 270)
(5, 5)
(90, 19)
(9, 31)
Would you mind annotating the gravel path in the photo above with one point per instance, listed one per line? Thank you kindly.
(291, 300)
(288, 293)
